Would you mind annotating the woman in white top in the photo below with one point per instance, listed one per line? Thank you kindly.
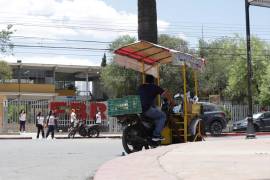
(39, 124)
(51, 124)
(98, 117)
(73, 118)
(22, 119)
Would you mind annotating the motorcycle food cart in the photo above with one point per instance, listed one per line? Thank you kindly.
(146, 58)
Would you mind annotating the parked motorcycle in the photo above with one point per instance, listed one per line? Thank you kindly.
(80, 128)
(93, 130)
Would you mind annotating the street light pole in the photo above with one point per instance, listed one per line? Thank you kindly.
(250, 133)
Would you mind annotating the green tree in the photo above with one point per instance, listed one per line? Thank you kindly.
(6, 46)
(264, 97)
(117, 80)
(121, 41)
(5, 70)
(170, 76)
(220, 55)
(147, 21)
(173, 42)
(237, 82)
(104, 60)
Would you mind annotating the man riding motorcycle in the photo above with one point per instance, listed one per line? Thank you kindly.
(148, 93)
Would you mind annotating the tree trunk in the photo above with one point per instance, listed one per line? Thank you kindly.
(147, 21)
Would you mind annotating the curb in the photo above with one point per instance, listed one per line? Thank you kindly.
(100, 137)
(14, 138)
(65, 137)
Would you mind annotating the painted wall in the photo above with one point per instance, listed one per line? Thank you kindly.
(35, 88)
(65, 92)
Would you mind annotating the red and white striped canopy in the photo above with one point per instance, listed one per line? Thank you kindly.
(144, 57)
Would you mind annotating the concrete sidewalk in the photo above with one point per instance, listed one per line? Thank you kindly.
(207, 160)
(57, 136)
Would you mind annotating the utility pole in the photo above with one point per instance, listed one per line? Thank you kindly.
(19, 83)
(250, 133)
(202, 33)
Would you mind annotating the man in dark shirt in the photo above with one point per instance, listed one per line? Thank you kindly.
(148, 93)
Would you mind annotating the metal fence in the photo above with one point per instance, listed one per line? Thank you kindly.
(12, 109)
(239, 112)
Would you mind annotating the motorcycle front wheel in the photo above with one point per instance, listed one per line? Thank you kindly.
(129, 142)
(82, 132)
(93, 132)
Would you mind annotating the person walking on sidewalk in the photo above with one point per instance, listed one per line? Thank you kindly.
(50, 124)
(22, 119)
(98, 117)
(39, 125)
(73, 119)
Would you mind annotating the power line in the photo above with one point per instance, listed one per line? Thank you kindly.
(107, 49)
(108, 42)
(64, 54)
(55, 39)
(221, 48)
(99, 25)
(60, 47)
(127, 28)
(119, 20)
(124, 23)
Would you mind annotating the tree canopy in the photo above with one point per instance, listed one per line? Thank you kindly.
(117, 80)
(5, 70)
(237, 81)
(226, 71)
(6, 46)
(104, 61)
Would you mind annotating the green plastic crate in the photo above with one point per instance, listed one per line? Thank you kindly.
(125, 105)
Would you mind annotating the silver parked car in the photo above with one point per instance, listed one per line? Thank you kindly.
(261, 122)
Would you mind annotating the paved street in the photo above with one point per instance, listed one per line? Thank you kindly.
(66, 159)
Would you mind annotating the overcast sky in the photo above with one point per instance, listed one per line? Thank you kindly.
(79, 31)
